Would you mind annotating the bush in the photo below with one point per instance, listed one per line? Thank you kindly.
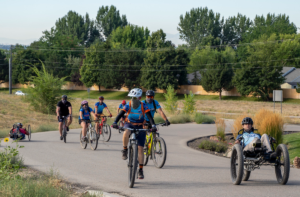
(158, 119)
(46, 92)
(201, 118)
(171, 100)
(221, 126)
(219, 147)
(189, 103)
(237, 124)
(181, 118)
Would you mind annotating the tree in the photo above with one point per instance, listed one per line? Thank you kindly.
(75, 63)
(73, 24)
(163, 67)
(198, 24)
(218, 75)
(108, 19)
(4, 66)
(262, 73)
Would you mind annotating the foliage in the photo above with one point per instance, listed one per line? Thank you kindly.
(293, 143)
(171, 100)
(10, 163)
(219, 147)
(75, 63)
(46, 91)
(189, 103)
(237, 124)
(108, 19)
(4, 75)
(202, 118)
(181, 119)
(221, 126)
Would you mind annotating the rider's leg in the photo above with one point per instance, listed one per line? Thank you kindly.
(250, 146)
(126, 138)
(266, 142)
(84, 126)
(69, 121)
(141, 141)
(60, 128)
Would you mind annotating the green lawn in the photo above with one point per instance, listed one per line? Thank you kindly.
(293, 143)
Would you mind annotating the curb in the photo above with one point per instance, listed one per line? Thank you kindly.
(101, 193)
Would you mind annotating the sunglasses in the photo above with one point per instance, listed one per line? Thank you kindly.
(150, 97)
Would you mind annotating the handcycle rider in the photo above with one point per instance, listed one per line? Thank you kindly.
(122, 106)
(136, 111)
(23, 132)
(63, 108)
(99, 106)
(84, 114)
(250, 137)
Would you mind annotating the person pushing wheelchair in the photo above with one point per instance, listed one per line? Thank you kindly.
(251, 138)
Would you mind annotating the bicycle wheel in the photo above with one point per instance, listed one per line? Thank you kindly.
(82, 143)
(119, 123)
(106, 132)
(93, 139)
(29, 131)
(159, 152)
(64, 131)
(237, 164)
(132, 164)
(146, 152)
(282, 169)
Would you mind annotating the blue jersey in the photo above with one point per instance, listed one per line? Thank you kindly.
(151, 108)
(86, 113)
(100, 107)
(249, 137)
(121, 106)
(136, 115)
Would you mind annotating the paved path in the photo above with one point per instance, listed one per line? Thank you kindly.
(187, 172)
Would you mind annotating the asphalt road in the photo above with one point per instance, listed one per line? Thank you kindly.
(187, 172)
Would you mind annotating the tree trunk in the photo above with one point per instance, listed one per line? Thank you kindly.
(220, 95)
(99, 88)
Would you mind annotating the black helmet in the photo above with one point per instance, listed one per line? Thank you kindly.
(101, 98)
(20, 125)
(64, 97)
(247, 120)
(150, 93)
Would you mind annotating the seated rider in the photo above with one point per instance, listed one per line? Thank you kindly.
(122, 106)
(99, 106)
(136, 111)
(153, 105)
(22, 132)
(84, 114)
(250, 137)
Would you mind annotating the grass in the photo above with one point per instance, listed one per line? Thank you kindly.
(293, 143)
(181, 119)
(219, 147)
(202, 118)
(220, 124)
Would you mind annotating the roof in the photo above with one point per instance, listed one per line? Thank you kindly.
(293, 76)
(287, 70)
(191, 76)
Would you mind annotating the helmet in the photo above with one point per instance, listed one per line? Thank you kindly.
(247, 120)
(19, 125)
(64, 97)
(150, 93)
(136, 92)
(123, 102)
(84, 102)
(101, 98)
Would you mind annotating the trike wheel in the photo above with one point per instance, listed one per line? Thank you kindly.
(237, 164)
(282, 165)
(246, 175)
(29, 132)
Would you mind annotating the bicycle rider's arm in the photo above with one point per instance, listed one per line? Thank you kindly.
(119, 116)
(162, 114)
(96, 110)
(148, 114)
(80, 114)
(107, 110)
(118, 110)
(70, 110)
(57, 110)
(95, 117)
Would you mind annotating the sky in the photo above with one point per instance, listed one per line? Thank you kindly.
(23, 21)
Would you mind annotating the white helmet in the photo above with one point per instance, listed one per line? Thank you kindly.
(136, 92)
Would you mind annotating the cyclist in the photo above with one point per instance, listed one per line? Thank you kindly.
(122, 106)
(250, 137)
(153, 105)
(99, 106)
(136, 111)
(23, 132)
(63, 108)
(84, 114)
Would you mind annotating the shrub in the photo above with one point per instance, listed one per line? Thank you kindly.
(171, 100)
(181, 118)
(237, 124)
(219, 147)
(221, 126)
(201, 118)
(158, 119)
(189, 103)
(46, 92)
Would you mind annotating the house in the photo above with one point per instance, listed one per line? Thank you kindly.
(292, 77)
(191, 78)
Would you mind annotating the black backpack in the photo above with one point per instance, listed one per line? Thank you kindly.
(153, 105)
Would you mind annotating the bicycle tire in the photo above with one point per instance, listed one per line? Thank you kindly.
(132, 164)
(93, 139)
(283, 159)
(83, 144)
(119, 123)
(146, 155)
(162, 153)
(64, 131)
(29, 131)
(106, 132)
(237, 164)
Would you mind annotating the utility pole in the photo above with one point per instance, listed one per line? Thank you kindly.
(10, 71)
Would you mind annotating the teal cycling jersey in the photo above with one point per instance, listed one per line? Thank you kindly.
(100, 107)
(151, 108)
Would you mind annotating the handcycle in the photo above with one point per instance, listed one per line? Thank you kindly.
(244, 162)
(106, 131)
(91, 135)
(133, 154)
(17, 134)
(155, 149)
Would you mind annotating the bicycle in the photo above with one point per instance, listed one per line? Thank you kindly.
(155, 148)
(92, 137)
(64, 132)
(123, 123)
(106, 131)
(133, 154)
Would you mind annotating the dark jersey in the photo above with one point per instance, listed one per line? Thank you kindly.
(64, 111)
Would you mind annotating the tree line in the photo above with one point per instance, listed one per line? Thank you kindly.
(111, 52)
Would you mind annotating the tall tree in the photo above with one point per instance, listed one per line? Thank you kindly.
(108, 19)
(198, 24)
(163, 67)
(3, 67)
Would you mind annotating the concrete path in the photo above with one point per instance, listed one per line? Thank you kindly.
(187, 172)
